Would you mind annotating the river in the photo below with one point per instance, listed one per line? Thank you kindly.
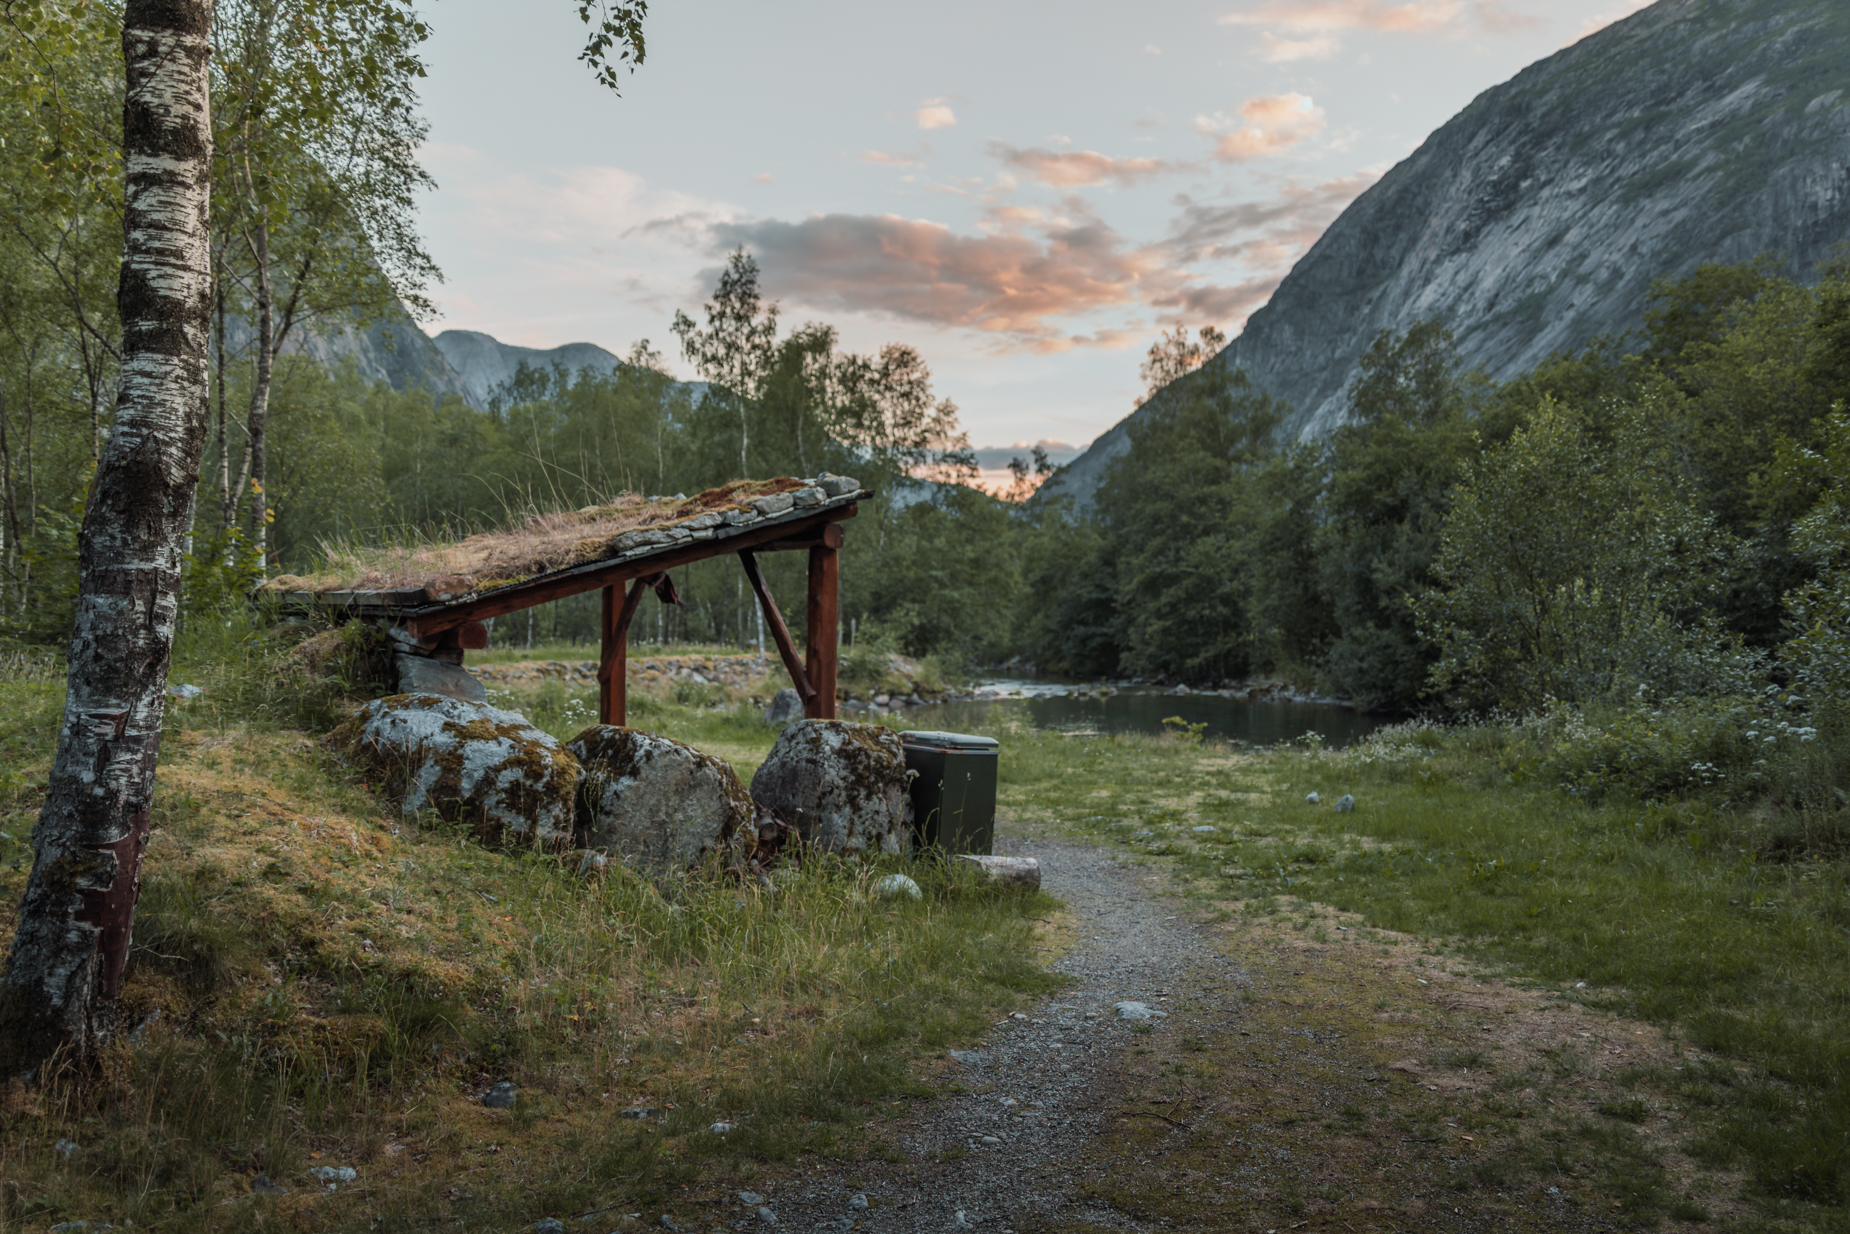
(1070, 708)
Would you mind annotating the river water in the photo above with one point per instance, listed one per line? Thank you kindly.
(1055, 705)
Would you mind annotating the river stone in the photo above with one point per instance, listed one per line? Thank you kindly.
(653, 803)
(469, 762)
(786, 705)
(842, 785)
(423, 675)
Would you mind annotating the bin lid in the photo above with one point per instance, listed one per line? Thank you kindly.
(951, 741)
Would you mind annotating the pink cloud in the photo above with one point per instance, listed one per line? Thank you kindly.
(1074, 168)
(1411, 17)
(1003, 283)
(1402, 17)
(935, 114)
(1273, 123)
(1028, 271)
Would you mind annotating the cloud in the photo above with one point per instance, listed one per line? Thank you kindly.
(1152, 49)
(1027, 271)
(1390, 16)
(1201, 302)
(1411, 17)
(1273, 122)
(1269, 233)
(763, 177)
(1276, 50)
(880, 158)
(1075, 168)
(1008, 282)
(935, 114)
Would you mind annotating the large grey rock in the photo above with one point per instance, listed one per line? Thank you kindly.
(423, 675)
(1538, 217)
(837, 486)
(786, 705)
(656, 804)
(470, 763)
(843, 785)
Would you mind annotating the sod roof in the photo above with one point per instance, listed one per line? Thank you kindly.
(630, 527)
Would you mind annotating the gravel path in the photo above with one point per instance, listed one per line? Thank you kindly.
(1006, 1150)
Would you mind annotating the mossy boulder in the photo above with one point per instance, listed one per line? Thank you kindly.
(843, 785)
(474, 764)
(656, 804)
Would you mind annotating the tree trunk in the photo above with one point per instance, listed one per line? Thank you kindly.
(227, 501)
(259, 415)
(65, 971)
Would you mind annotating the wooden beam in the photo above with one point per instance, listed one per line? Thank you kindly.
(469, 636)
(590, 578)
(828, 534)
(613, 658)
(780, 633)
(824, 627)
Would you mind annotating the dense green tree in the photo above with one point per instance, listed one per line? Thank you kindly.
(1574, 567)
(1391, 473)
(1177, 506)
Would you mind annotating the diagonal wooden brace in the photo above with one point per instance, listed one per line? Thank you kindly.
(779, 632)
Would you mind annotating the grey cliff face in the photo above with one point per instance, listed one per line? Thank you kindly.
(484, 361)
(1538, 217)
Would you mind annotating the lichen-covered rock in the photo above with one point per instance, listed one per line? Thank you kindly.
(843, 785)
(470, 763)
(656, 804)
(423, 675)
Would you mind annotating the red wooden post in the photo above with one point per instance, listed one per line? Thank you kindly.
(824, 625)
(613, 659)
(611, 662)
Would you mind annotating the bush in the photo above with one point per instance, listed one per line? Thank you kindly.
(1733, 748)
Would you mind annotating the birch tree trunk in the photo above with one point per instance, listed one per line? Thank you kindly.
(65, 971)
(257, 418)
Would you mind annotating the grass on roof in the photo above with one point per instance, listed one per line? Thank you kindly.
(540, 545)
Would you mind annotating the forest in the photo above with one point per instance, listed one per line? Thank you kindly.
(1658, 516)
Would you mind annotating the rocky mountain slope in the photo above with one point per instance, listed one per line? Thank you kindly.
(1537, 218)
(484, 362)
(465, 363)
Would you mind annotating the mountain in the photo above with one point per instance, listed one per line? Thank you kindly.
(465, 363)
(484, 362)
(1692, 131)
(394, 350)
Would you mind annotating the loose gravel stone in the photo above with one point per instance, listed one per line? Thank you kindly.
(1034, 1078)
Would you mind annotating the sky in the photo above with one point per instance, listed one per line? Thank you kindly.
(1027, 191)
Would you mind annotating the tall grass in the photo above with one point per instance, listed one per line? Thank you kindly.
(315, 981)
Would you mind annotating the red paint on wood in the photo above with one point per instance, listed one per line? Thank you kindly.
(780, 633)
(613, 657)
(824, 627)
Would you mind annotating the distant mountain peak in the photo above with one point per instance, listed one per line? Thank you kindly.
(484, 362)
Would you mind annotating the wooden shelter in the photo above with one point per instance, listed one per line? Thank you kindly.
(435, 598)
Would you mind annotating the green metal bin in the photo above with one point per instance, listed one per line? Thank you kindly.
(954, 792)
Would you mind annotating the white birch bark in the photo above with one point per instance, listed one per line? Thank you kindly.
(65, 970)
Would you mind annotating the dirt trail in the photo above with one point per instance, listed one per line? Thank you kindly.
(1004, 1154)
(1274, 1093)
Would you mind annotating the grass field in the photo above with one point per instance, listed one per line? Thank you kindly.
(336, 985)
